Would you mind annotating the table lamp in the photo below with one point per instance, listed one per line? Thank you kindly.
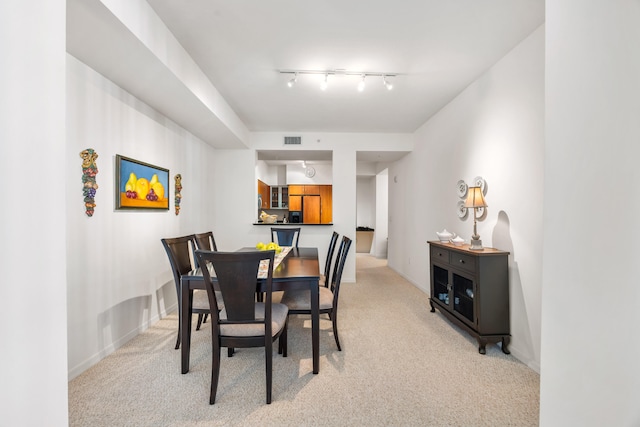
(475, 200)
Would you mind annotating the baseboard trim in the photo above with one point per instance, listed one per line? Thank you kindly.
(97, 357)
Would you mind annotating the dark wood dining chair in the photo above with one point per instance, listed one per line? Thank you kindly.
(243, 322)
(179, 250)
(299, 301)
(206, 242)
(328, 261)
(285, 236)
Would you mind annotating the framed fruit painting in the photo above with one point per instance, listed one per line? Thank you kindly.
(140, 185)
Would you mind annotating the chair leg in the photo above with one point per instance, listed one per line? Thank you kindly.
(178, 341)
(282, 342)
(204, 319)
(215, 374)
(334, 320)
(200, 315)
(268, 353)
(230, 351)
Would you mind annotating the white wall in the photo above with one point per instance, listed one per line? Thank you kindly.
(493, 129)
(33, 374)
(366, 204)
(265, 173)
(119, 278)
(366, 201)
(236, 201)
(234, 210)
(373, 203)
(591, 297)
(323, 175)
(382, 215)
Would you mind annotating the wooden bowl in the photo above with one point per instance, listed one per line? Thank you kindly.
(269, 219)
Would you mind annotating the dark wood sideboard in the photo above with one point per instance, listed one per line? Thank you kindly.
(471, 289)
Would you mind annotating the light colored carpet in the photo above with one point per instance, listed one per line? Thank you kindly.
(400, 365)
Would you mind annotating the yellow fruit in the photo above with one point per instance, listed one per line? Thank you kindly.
(271, 246)
(131, 183)
(158, 188)
(142, 188)
(260, 246)
(154, 179)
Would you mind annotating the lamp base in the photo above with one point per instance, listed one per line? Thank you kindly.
(476, 245)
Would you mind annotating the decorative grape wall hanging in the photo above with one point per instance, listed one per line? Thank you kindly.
(89, 184)
(178, 179)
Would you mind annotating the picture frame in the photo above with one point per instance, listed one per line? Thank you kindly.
(140, 185)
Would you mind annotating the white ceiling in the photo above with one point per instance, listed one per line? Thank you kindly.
(280, 157)
(437, 46)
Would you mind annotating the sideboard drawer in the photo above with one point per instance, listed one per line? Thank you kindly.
(439, 254)
(464, 262)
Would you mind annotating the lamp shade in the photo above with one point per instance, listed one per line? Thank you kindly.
(475, 199)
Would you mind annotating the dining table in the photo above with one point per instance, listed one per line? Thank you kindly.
(298, 269)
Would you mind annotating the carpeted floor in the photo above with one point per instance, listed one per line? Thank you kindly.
(400, 365)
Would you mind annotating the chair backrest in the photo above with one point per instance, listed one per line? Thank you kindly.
(327, 263)
(179, 250)
(341, 258)
(285, 236)
(236, 276)
(206, 241)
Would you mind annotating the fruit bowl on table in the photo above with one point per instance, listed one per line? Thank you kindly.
(269, 247)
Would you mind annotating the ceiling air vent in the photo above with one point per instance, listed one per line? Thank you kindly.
(292, 140)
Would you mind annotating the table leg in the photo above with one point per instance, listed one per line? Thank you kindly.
(315, 325)
(186, 303)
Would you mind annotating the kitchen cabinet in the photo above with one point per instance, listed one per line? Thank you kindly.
(304, 190)
(311, 210)
(264, 194)
(471, 289)
(315, 202)
(311, 190)
(279, 197)
(295, 203)
(296, 190)
(326, 204)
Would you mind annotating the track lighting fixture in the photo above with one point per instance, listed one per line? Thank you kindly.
(326, 73)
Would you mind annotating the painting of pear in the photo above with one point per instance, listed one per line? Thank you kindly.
(131, 183)
(141, 185)
(158, 188)
(142, 188)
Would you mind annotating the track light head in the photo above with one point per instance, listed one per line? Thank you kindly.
(293, 81)
(361, 84)
(387, 84)
(325, 82)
